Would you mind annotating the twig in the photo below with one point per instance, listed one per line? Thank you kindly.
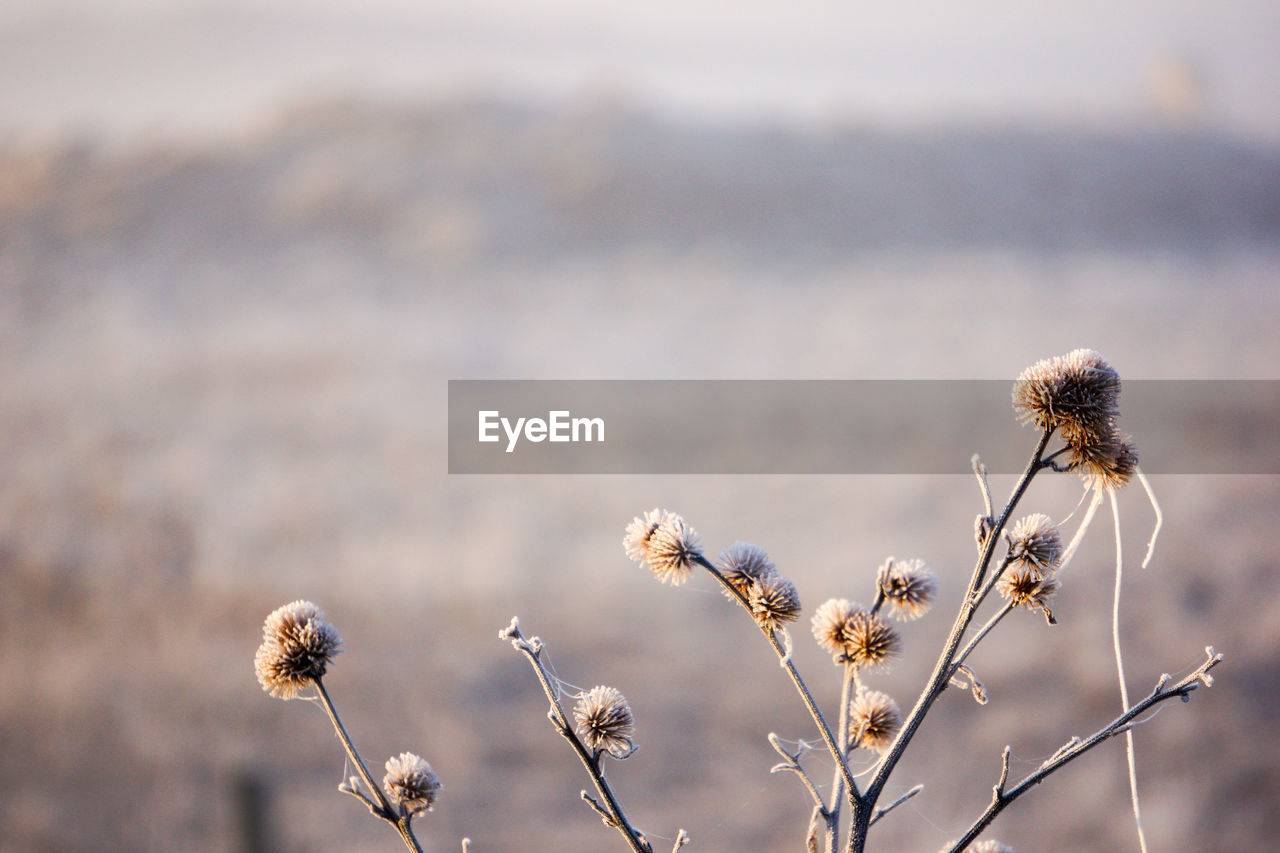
(793, 765)
(382, 808)
(884, 810)
(612, 810)
(837, 754)
(1073, 749)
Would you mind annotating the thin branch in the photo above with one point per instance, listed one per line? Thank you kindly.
(793, 765)
(837, 754)
(532, 649)
(942, 669)
(850, 672)
(1076, 747)
(383, 807)
(884, 810)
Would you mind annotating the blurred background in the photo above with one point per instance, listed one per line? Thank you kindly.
(244, 245)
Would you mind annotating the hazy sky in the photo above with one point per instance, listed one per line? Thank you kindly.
(140, 66)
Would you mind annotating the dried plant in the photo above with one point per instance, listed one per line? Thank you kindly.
(1073, 398)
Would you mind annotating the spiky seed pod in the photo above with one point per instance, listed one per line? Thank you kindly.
(411, 783)
(909, 588)
(828, 623)
(605, 721)
(1024, 588)
(853, 635)
(742, 564)
(1077, 394)
(665, 543)
(1035, 545)
(1108, 466)
(874, 719)
(297, 646)
(774, 601)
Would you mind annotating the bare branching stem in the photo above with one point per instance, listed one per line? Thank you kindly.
(837, 754)
(611, 809)
(837, 782)
(382, 808)
(793, 765)
(942, 670)
(1073, 749)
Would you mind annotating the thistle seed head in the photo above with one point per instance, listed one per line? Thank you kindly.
(1024, 588)
(1035, 545)
(411, 783)
(874, 719)
(297, 646)
(665, 543)
(743, 564)
(774, 601)
(909, 588)
(853, 635)
(1109, 465)
(1077, 394)
(605, 721)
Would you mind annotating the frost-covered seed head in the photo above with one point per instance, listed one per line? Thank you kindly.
(1078, 394)
(665, 543)
(742, 564)
(298, 644)
(909, 588)
(1035, 545)
(411, 783)
(853, 635)
(874, 719)
(605, 721)
(774, 601)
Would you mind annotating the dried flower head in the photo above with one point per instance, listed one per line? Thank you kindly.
(1108, 465)
(980, 847)
(908, 586)
(742, 564)
(1024, 588)
(297, 646)
(605, 721)
(411, 783)
(874, 719)
(1035, 545)
(853, 635)
(1077, 394)
(774, 601)
(665, 543)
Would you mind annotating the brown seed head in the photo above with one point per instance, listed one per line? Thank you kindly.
(665, 543)
(742, 564)
(909, 587)
(1077, 394)
(1024, 588)
(411, 783)
(1035, 545)
(853, 635)
(605, 721)
(774, 601)
(297, 646)
(874, 719)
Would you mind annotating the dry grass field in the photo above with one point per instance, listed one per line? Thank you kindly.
(223, 384)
